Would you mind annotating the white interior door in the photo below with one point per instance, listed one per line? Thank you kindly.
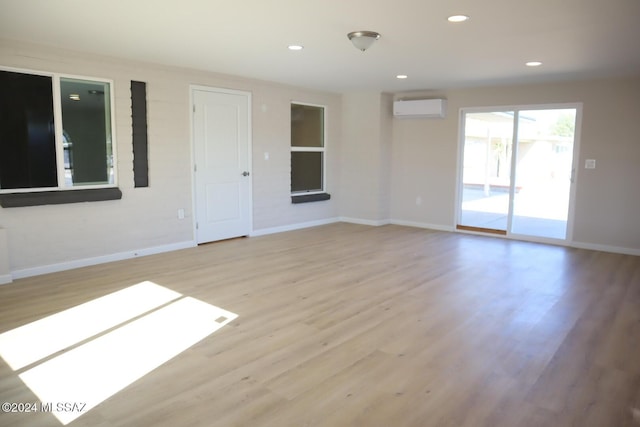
(221, 129)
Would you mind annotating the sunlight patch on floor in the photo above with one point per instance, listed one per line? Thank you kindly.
(27, 344)
(101, 367)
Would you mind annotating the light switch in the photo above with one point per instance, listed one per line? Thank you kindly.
(590, 164)
(266, 155)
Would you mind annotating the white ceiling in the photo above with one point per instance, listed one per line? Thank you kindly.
(573, 38)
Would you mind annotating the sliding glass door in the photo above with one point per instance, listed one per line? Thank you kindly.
(486, 171)
(516, 171)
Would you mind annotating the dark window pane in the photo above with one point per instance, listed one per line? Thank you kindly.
(307, 126)
(27, 134)
(306, 171)
(86, 123)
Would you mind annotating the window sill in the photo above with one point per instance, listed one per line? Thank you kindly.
(39, 198)
(306, 198)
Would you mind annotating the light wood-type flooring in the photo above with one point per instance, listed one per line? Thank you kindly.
(349, 325)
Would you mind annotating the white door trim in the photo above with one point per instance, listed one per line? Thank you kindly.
(462, 113)
(192, 89)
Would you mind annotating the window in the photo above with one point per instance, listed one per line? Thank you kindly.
(307, 149)
(56, 133)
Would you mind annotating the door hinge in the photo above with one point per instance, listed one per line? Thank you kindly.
(194, 108)
(197, 227)
(195, 167)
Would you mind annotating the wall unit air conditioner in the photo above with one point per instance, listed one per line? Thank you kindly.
(420, 108)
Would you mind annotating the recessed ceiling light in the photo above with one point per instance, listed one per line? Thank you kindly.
(458, 18)
(401, 76)
(533, 64)
(74, 97)
(295, 47)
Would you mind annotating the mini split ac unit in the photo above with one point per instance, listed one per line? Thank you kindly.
(420, 108)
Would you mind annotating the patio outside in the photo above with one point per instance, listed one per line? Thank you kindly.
(543, 172)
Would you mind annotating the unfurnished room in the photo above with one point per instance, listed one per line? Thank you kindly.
(329, 214)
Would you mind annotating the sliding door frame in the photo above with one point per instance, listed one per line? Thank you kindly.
(516, 109)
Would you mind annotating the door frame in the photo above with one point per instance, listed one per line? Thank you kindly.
(192, 89)
(578, 106)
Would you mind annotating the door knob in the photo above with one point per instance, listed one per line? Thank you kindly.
(245, 173)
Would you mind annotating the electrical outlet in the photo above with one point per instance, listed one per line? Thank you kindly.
(180, 213)
(590, 164)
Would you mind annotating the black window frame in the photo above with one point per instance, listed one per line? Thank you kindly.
(322, 149)
(61, 193)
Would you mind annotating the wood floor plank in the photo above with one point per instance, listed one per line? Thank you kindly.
(351, 325)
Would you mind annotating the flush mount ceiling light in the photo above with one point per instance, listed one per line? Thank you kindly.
(295, 47)
(363, 40)
(402, 76)
(533, 64)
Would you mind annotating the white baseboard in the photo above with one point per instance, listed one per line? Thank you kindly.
(605, 248)
(579, 245)
(52, 268)
(291, 227)
(372, 222)
(422, 225)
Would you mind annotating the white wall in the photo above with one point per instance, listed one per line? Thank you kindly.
(607, 203)
(272, 134)
(5, 272)
(377, 166)
(46, 238)
(366, 157)
(386, 141)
